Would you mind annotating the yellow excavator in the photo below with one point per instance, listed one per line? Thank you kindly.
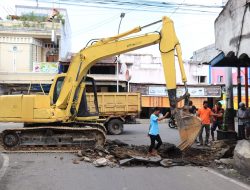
(59, 120)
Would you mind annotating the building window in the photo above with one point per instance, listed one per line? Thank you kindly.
(241, 79)
(219, 79)
(102, 70)
(201, 79)
(36, 53)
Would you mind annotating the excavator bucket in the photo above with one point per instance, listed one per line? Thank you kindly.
(189, 127)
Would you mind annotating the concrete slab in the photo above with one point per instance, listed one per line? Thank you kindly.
(242, 157)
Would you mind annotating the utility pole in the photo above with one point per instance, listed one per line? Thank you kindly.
(246, 86)
(117, 60)
(229, 112)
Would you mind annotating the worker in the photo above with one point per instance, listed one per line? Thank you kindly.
(243, 117)
(154, 131)
(205, 114)
(192, 108)
(217, 119)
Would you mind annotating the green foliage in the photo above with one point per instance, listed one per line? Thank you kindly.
(33, 17)
(35, 21)
(26, 24)
(59, 18)
(8, 17)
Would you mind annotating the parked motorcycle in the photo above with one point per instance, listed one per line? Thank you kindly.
(172, 123)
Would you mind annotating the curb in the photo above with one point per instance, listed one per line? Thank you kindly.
(4, 165)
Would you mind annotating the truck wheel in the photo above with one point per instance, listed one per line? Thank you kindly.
(115, 127)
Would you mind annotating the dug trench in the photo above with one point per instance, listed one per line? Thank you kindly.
(118, 153)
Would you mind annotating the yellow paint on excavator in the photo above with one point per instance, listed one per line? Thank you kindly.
(189, 127)
(65, 107)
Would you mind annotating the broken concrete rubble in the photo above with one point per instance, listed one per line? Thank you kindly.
(220, 167)
(79, 153)
(151, 159)
(242, 157)
(86, 159)
(166, 163)
(75, 162)
(110, 157)
(100, 162)
(226, 161)
(125, 161)
(224, 148)
(116, 153)
(117, 142)
(101, 149)
(141, 160)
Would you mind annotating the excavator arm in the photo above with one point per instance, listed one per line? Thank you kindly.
(87, 57)
(168, 46)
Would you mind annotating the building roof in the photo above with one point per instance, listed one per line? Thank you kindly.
(232, 35)
(204, 55)
(232, 28)
(230, 60)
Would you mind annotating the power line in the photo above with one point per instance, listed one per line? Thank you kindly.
(177, 8)
(132, 3)
(99, 24)
(96, 25)
(145, 3)
(114, 4)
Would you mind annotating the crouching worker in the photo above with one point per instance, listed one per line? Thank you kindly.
(154, 131)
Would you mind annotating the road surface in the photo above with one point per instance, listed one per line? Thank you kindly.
(57, 172)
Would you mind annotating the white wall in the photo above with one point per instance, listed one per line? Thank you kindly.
(65, 40)
(228, 27)
(149, 70)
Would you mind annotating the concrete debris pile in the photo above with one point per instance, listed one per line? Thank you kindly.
(117, 153)
(242, 157)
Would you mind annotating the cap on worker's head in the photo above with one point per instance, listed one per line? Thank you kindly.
(219, 104)
(241, 104)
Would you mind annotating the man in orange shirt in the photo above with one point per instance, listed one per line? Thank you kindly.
(205, 114)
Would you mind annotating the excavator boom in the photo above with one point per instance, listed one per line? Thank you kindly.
(189, 126)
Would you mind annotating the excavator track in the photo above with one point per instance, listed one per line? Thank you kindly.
(52, 138)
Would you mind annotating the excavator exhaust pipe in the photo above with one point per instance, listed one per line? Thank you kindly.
(189, 127)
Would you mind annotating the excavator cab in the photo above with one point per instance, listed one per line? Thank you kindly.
(87, 106)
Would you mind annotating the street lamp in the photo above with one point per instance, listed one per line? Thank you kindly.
(117, 60)
(14, 50)
(121, 17)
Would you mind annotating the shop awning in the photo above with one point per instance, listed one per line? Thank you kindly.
(230, 60)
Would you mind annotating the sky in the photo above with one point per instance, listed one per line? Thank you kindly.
(193, 30)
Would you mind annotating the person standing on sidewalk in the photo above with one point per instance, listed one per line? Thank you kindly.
(154, 131)
(217, 120)
(243, 116)
(205, 114)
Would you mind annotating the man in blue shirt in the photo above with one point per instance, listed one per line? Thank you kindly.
(154, 131)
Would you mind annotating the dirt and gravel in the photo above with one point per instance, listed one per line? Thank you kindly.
(118, 153)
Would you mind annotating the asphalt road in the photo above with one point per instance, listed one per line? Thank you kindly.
(57, 172)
